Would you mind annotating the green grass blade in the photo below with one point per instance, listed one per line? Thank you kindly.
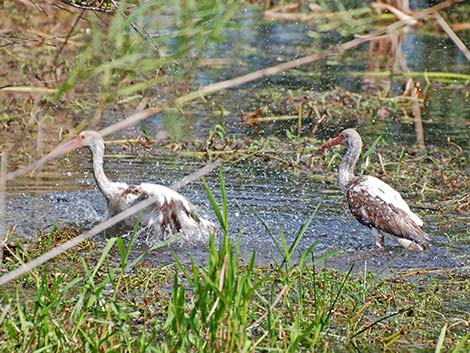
(214, 205)
(442, 337)
(126, 250)
(223, 196)
(105, 252)
(301, 232)
(461, 345)
(338, 293)
(367, 154)
(268, 230)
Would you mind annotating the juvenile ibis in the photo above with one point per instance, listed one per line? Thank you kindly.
(171, 214)
(373, 202)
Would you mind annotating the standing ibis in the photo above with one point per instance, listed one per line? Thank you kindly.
(373, 202)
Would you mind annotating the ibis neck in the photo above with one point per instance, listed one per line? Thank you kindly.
(104, 184)
(346, 168)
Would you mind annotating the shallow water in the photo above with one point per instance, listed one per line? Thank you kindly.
(284, 200)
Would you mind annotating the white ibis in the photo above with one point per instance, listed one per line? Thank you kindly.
(171, 214)
(373, 202)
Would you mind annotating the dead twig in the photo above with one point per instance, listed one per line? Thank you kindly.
(106, 131)
(84, 6)
(279, 296)
(67, 37)
(141, 30)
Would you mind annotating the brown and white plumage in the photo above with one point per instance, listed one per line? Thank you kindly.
(171, 214)
(373, 202)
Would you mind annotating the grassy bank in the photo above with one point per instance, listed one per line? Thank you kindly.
(227, 307)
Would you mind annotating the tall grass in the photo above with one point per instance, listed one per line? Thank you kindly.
(217, 316)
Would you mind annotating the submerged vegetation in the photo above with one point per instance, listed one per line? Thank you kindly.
(92, 63)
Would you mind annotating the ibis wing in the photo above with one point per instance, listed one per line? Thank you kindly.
(377, 205)
(124, 197)
(167, 210)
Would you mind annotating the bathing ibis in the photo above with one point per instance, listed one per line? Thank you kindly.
(172, 214)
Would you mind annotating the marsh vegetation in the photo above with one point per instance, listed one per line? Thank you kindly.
(174, 85)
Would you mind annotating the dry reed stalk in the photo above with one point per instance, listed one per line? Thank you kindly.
(457, 27)
(273, 118)
(29, 89)
(131, 120)
(412, 89)
(134, 118)
(416, 107)
(382, 165)
(397, 12)
(3, 225)
(282, 13)
(454, 37)
(198, 174)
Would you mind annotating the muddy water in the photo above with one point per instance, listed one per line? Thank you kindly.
(66, 193)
